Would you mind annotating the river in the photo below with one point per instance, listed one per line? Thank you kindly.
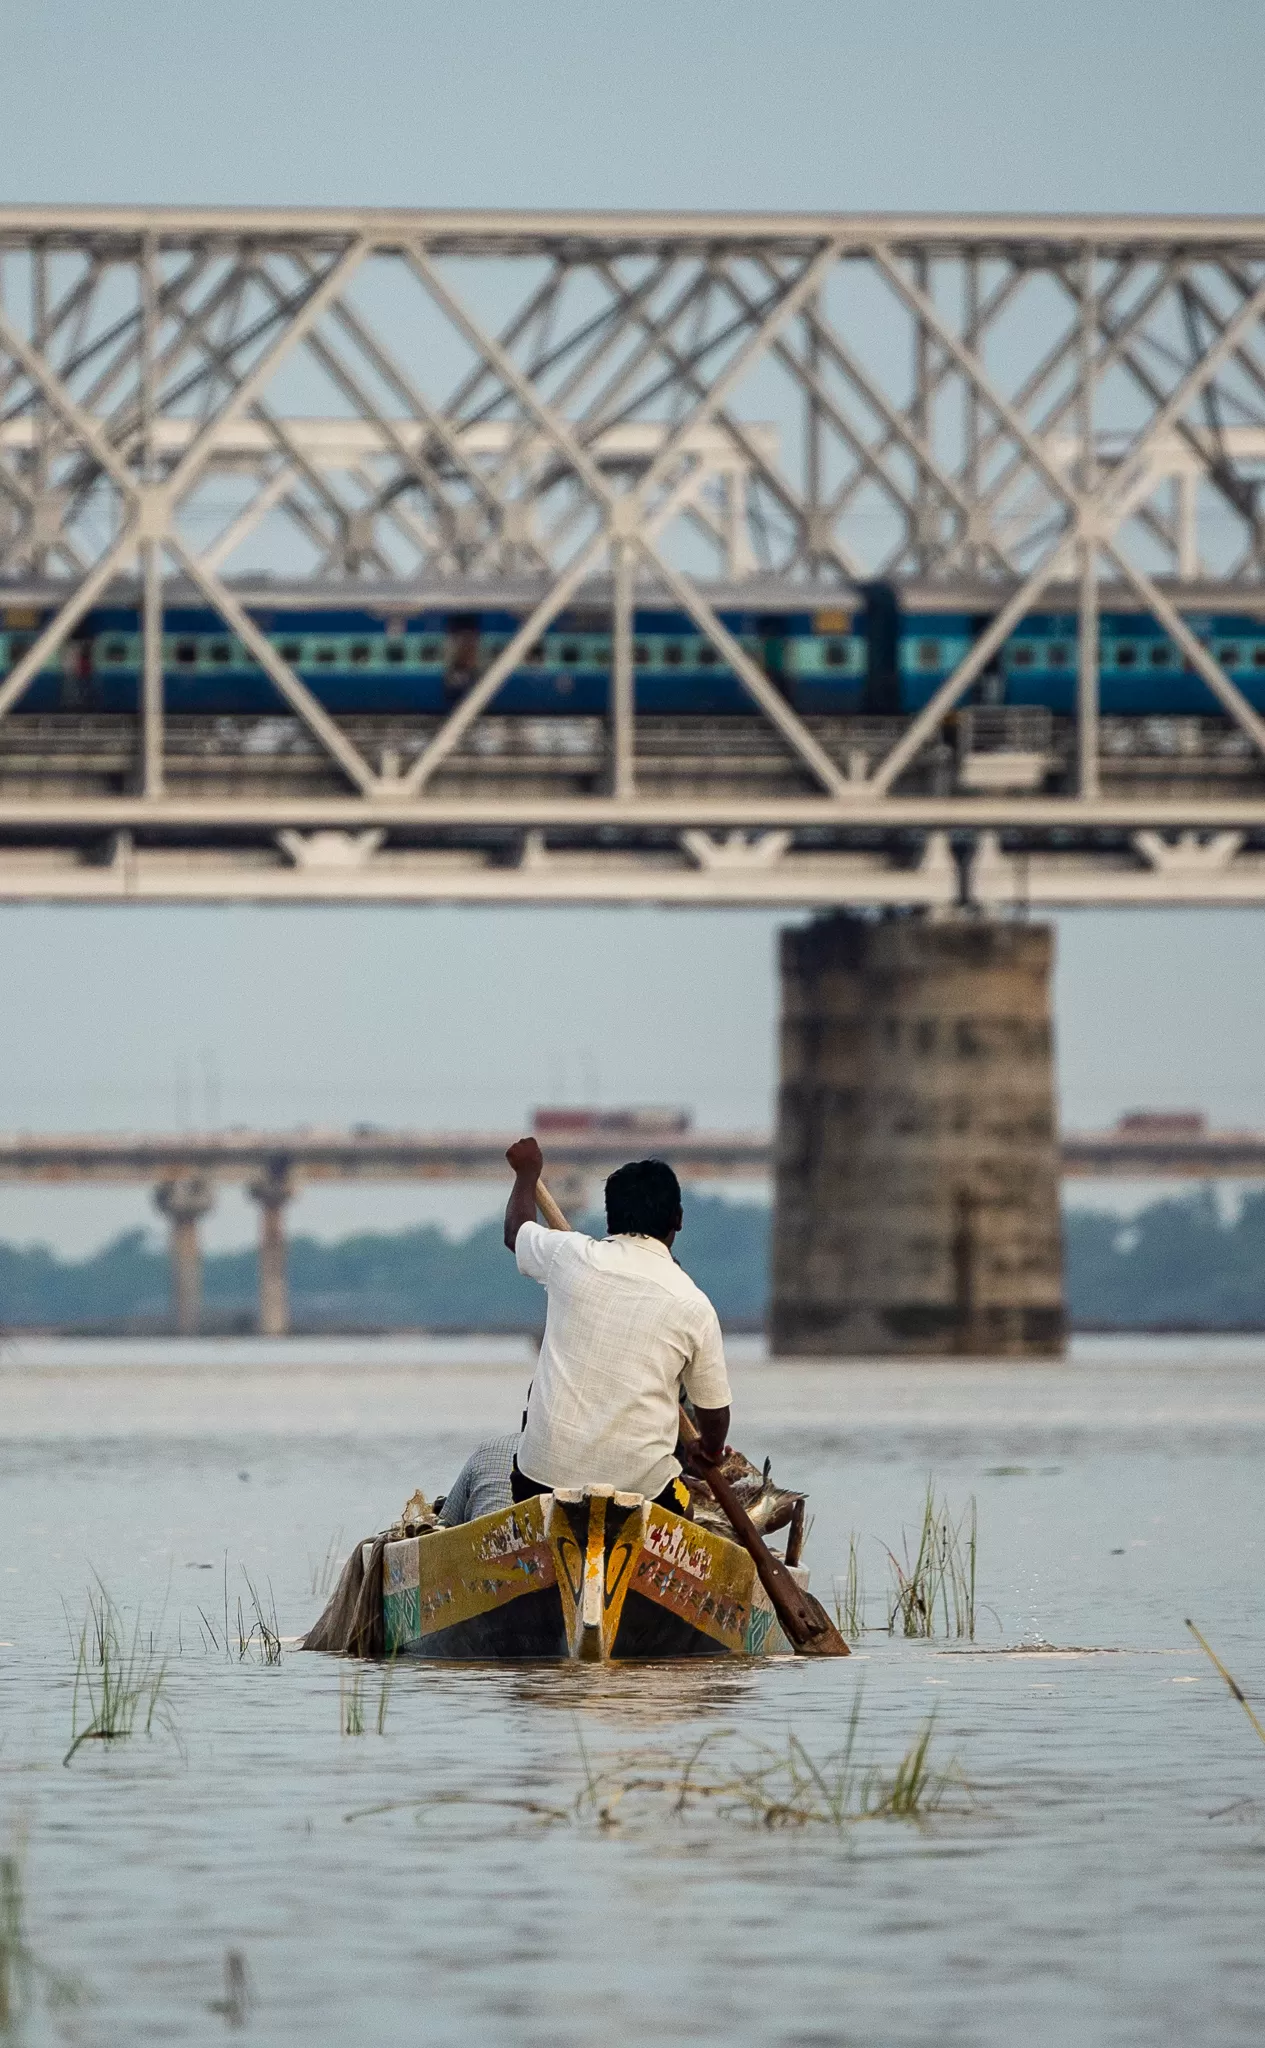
(1095, 1874)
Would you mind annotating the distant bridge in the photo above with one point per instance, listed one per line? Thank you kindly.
(185, 1168)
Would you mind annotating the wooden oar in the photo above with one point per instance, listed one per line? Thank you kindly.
(549, 1208)
(804, 1619)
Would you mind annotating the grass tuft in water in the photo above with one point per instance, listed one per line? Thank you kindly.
(120, 1681)
(750, 1785)
(323, 1573)
(384, 1696)
(22, 1974)
(765, 1788)
(353, 1700)
(850, 1594)
(236, 2002)
(933, 1589)
(260, 1627)
(351, 1703)
(254, 1633)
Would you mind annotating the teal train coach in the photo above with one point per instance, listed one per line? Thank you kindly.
(869, 654)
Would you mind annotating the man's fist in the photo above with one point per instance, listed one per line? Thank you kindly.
(525, 1156)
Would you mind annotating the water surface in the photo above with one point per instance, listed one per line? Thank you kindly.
(1104, 1882)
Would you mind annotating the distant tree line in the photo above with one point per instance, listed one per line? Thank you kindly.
(407, 1279)
(1179, 1263)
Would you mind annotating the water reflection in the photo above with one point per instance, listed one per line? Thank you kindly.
(644, 1695)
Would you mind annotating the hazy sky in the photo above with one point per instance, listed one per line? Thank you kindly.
(117, 1017)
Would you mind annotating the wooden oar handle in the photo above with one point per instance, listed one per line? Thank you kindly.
(549, 1209)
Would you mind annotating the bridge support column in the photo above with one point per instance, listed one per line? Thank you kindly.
(184, 1203)
(273, 1191)
(917, 1165)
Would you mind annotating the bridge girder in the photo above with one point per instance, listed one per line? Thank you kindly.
(614, 407)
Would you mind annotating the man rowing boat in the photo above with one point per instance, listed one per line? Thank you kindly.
(626, 1331)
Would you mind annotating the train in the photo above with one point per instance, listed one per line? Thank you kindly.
(876, 655)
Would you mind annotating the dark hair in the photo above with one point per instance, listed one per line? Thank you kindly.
(643, 1199)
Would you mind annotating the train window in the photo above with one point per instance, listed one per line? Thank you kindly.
(641, 653)
(360, 652)
(1228, 655)
(429, 650)
(1161, 657)
(535, 654)
(836, 654)
(1056, 654)
(707, 657)
(325, 654)
(396, 652)
(570, 653)
(1126, 656)
(115, 650)
(221, 651)
(1258, 657)
(1022, 657)
(186, 652)
(290, 650)
(672, 654)
(928, 654)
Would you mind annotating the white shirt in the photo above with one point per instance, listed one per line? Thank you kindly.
(624, 1331)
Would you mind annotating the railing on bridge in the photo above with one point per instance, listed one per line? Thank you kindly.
(581, 1146)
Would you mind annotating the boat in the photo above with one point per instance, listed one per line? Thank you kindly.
(586, 1574)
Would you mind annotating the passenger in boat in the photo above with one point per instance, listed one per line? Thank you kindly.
(482, 1487)
(626, 1331)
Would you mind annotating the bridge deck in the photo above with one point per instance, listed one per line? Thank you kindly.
(294, 1158)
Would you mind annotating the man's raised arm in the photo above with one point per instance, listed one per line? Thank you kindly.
(527, 1160)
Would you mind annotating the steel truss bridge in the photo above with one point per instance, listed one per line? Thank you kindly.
(258, 411)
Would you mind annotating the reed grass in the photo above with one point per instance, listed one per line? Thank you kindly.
(323, 1574)
(850, 1594)
(752, 1785)
(253, 1632)
(235, 2005)
(1235, 1688)
(353, 1700)
(263, 1627)
(384, 1695)
(120, 1680)
(933, 1587)
(765, 1788)
(23, 1975)
(351, 1703)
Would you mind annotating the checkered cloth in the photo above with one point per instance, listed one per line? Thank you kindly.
(483, 1483)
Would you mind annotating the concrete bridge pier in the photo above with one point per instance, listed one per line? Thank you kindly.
(917, 1161)
(184, 1202)
(272, 1191)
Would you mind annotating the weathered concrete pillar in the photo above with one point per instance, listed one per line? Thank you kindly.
(272, 1191)
(917, 1150)
(184, 1202)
